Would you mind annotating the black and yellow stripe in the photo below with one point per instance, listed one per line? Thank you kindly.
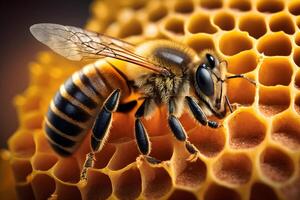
(73, 108)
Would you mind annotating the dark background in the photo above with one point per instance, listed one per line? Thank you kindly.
(18, 47)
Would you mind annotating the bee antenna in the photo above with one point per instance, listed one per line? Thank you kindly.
(242, 76)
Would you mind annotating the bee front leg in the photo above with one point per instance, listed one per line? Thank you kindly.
(100, 130)
(141, 134)
(199, 114)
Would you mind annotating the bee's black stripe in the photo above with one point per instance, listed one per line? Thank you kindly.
(72, 111)
(107, 84)
(75, 92)
(63, 125)
(86, 81)
(60, 150)
(123, 75)
(58, 139)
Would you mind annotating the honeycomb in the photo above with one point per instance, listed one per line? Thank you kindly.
(255, 155)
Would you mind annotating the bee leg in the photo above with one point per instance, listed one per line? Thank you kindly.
(199, 114)
(180, 135)
(100, 130)
(127, 107)
(141, 135)
(89, 162)
(179, 132)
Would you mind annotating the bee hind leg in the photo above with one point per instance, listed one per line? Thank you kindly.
(100, 130)
(141, 135)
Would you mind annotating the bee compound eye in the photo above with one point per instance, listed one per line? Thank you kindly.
(211, 61)
(204, 81)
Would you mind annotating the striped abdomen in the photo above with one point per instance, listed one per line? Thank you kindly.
(72, 111)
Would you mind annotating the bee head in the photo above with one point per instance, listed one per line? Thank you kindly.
(203, 76)
(208, 75)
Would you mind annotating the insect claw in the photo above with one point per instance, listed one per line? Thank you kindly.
(152, 160)
(193, 157)
(193, 151)
(235, 106)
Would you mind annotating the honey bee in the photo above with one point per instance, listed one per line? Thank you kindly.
(161, 72)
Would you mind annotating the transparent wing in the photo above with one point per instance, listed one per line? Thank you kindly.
(78, 44)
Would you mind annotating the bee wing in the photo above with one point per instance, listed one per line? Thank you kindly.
(78, 44)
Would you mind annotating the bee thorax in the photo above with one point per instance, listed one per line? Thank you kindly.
(161, 88)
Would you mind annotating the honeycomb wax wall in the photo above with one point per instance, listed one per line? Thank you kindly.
(255, 155)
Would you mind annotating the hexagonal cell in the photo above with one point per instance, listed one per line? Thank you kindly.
(120, 133)
(275, 44)
(297, 39)
(67, 170)
(275, 71)
(270, 6)
(119, 160)
(43, 186)
(21, 169)
(174, 25)
(98, 186)
(43, 161)
(233, 168)
(33, 120)
(156, 181)
(21, 144)
(200, 42)
(296, 56)
(132, 27)
(162, 147)
(246, 135)
(244, 5)
(29, 102)
(241, 63)
(136, 5)
(200, 23)
(41, 142)
(218, 192)
(254, 24)
(291, 190)
(297, 80)
(297, 21)
(297, 104)
(64, 191)
(241, 91)
(285, 130)
(282, 22)
(234, 42)
(261, 191)
(276, 165)
(128, 185)
(157, 12)
(294, 7)
(184, 6)
(24, 191)
(273, 100)
(189, 174)
(211, 4)
(224, 20)
(160, 116)
(182, 194)
(210, 142)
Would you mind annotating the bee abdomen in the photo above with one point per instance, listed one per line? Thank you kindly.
(75, 105)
